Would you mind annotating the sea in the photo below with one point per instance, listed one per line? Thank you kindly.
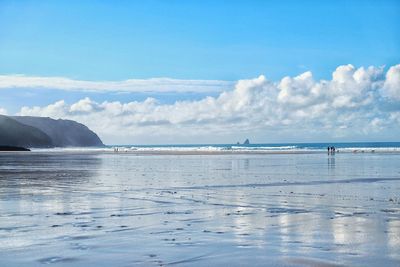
(289, 147)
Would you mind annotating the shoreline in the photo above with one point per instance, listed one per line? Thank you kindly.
(200, 152)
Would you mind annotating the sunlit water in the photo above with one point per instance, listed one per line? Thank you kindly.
(104, 209)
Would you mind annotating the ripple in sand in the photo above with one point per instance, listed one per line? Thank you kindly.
(311, 262)
(79, 246)
(63, 213)
(79, 237)
(56, 259)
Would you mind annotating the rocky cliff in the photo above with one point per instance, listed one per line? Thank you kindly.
(45, 132)
(14, 133)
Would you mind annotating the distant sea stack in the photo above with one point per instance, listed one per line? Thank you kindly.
(246, 142)
(41, 132)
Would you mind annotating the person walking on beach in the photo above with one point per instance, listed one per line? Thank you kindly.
(329, 149)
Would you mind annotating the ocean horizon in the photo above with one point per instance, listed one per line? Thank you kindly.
(262, 147)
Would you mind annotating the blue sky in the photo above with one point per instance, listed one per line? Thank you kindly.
(114, 40)
(185, 40)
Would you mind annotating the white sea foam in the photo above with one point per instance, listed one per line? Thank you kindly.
(73, 149)
(369, 149)
(216, 148)
(176, 148)
(264, 148)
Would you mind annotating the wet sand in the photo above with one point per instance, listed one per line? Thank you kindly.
(196, 209)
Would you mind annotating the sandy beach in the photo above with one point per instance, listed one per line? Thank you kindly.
(197, 209)
(199, 133)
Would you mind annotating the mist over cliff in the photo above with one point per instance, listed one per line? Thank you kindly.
(14, 133)
(41, 132)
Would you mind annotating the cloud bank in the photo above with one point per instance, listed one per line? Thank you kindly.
(355, 104)
(131, 85)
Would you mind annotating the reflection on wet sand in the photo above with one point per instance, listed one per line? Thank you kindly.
(128, 210)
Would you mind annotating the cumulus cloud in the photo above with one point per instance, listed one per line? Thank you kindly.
(352, 104)
(131, 85)
(391, 87)
(3, 111)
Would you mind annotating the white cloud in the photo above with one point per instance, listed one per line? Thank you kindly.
(391, 86)
(131, 85)
(353, 104)
(3, 111)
